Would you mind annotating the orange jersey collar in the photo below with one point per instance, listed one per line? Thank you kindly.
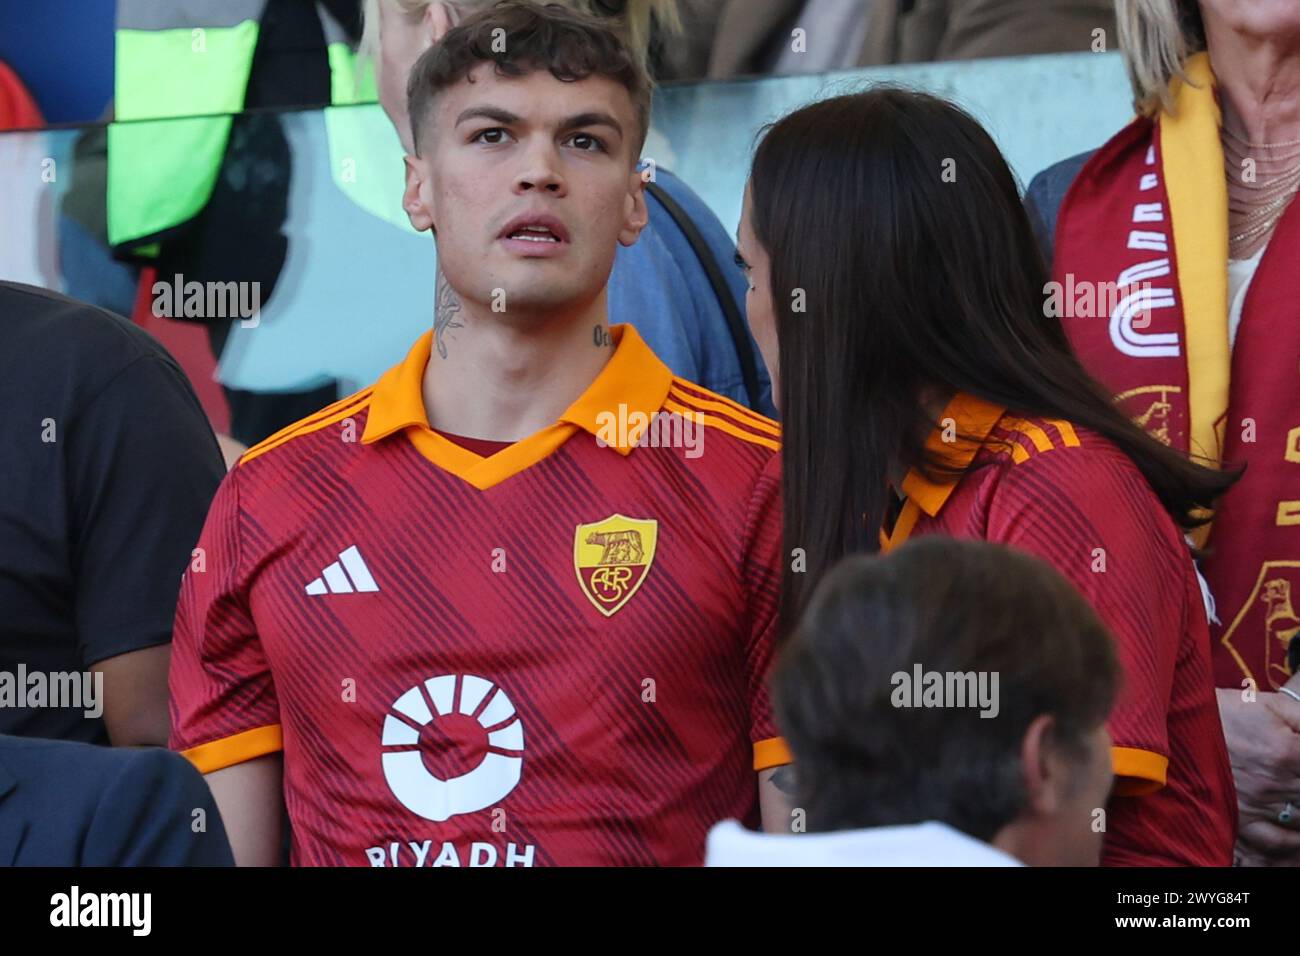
(972, 420)
(634, 377)
(630, 389)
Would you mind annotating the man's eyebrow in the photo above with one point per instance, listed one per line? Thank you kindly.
(488, 112)
(595, 118)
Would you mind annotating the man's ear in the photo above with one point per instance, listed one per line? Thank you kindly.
(636, 214)
(417, 211)
(1043, 768)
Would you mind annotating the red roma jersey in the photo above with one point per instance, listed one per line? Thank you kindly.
(552, 655)
(1070, 497)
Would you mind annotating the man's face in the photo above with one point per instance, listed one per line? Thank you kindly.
(529, 183)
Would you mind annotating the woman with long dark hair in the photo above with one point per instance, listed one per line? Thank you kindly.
(897, 296)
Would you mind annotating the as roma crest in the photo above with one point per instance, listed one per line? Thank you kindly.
(1153, 409)
(1263, 629)
(612, 558)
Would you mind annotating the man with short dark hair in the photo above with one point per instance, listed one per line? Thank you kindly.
(946, 706)
(483, 617)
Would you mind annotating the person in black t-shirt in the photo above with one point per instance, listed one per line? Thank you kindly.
(107, 468)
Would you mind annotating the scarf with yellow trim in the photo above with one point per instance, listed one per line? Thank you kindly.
(1141, 253)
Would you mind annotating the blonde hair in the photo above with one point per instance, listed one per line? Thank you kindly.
(1157, 37)
(635, 23)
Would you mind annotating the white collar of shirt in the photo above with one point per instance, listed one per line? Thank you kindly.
(921, 844)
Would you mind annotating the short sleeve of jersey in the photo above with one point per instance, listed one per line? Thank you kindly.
(1092, 517)
(761, 564)
(224, 708)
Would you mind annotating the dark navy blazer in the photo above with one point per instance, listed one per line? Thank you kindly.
(66, 803)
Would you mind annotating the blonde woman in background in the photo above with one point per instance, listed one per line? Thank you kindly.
(678, 283)
(1189, 211)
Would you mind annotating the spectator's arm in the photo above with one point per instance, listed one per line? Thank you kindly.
(250, 796)
(135, 697)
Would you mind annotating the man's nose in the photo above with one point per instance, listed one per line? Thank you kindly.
(541, 172)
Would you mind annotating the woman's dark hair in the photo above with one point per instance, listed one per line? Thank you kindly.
(954, 608)
(898, 221)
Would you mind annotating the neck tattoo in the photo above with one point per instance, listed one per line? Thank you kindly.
(446, 313)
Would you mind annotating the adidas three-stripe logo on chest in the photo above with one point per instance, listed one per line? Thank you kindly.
(345, 576)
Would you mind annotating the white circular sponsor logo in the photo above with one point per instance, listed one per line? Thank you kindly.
(471, 717)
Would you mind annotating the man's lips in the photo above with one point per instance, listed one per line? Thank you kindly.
(537, 229)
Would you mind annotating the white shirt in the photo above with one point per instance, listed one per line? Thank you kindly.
(921, 844)
(1240, 272)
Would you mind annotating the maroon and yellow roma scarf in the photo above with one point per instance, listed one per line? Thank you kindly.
(1144, 231)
